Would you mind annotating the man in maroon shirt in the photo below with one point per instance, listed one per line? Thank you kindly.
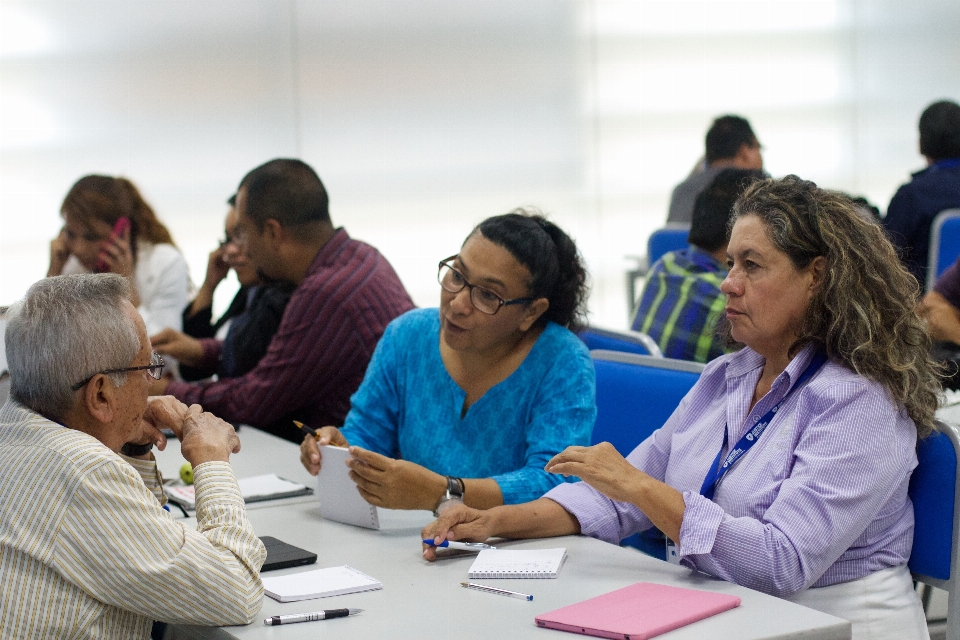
(346, 295)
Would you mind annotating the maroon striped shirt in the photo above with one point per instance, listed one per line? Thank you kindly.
(319, 354)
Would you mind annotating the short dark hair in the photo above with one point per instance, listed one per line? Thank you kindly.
(550, 255)
(726, 135)
(286, 190)
(940, 131)
(711, 212)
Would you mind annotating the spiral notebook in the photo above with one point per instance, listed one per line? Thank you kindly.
(527, 563)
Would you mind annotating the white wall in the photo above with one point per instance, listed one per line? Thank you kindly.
(424, 117)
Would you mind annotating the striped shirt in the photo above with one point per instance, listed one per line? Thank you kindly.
(319, 354)
(87, 551)
(821, 498)
(681, 305)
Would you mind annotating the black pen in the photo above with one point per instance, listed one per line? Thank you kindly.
(307, 431)
(310, 617)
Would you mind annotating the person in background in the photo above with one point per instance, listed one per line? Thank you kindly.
(86, 548)
(346, 293)
(730, 142)
(681, 305)
(250, 321)
(143, 252)
(785, 469)
(468, 403)
(930, 191)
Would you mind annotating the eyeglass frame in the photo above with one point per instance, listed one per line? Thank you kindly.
(471, 287)
(149, 368)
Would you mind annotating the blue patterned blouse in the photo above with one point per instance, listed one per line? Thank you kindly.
(409, 407)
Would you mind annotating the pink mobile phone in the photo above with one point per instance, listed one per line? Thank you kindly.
(121, 228)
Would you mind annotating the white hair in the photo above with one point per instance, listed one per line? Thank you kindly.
(66, 329)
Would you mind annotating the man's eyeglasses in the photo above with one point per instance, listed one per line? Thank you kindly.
(483, 300)
(155, 368)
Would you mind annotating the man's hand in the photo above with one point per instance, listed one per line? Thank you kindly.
(602, 467)
(162, 413)
(394, 484)
(217, 269)
(310, 449)
(459, 522)
(205, 437)
(187, 350)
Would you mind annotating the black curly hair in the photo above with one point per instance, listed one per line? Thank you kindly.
(550, 255)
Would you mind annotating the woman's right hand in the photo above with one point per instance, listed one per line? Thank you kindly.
(58, 253)
(310, 447)
(458, 522)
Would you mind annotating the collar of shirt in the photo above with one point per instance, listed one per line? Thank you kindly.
(704, 260)
(743, 370)
(328, 253)
(948, 163)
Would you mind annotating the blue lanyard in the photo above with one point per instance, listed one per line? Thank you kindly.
(750, 438)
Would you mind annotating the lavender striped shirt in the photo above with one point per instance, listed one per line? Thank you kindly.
(820, 499)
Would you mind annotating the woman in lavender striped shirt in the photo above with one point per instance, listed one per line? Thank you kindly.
(816, 510)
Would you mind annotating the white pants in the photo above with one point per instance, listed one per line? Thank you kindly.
(880, 606)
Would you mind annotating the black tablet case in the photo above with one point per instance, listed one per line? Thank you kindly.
(281, 555)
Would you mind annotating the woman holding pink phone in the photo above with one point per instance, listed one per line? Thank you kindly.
(110, 228)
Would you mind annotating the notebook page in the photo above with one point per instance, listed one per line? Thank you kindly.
(527, 563)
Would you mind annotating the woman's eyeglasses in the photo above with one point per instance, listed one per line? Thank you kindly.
(484, 300)
(155, 369)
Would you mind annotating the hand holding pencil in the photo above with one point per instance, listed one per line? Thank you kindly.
(313, 438)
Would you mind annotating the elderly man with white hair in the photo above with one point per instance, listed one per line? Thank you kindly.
(86, 548)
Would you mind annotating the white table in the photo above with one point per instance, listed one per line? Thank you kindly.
(425, 600)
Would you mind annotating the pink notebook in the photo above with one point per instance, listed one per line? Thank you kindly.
(637, 612)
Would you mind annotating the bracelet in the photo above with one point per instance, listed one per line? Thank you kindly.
(136, 450)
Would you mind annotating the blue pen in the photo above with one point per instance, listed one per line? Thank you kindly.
(463, 546)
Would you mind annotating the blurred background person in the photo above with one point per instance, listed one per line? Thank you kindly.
(930, 191)
(246, 327)
(730, 142)
(681, 304)
(109, 228)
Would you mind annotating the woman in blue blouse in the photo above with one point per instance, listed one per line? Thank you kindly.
(470, 403)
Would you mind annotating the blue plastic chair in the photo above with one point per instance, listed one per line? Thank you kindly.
(934, 490)
(625, 341)
(668, 239)
(944, 244)
(635, 396)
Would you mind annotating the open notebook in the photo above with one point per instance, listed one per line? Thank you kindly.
(254, 489)
(640, 611)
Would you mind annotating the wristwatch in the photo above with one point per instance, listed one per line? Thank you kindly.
(454, 491)
(136, 450)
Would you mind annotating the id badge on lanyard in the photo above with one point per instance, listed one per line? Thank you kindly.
(717, 471)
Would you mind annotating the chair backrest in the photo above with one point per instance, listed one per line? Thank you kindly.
(626, 341)
(944, 244)
(636, 394)
(668, 239)
(934, 490)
